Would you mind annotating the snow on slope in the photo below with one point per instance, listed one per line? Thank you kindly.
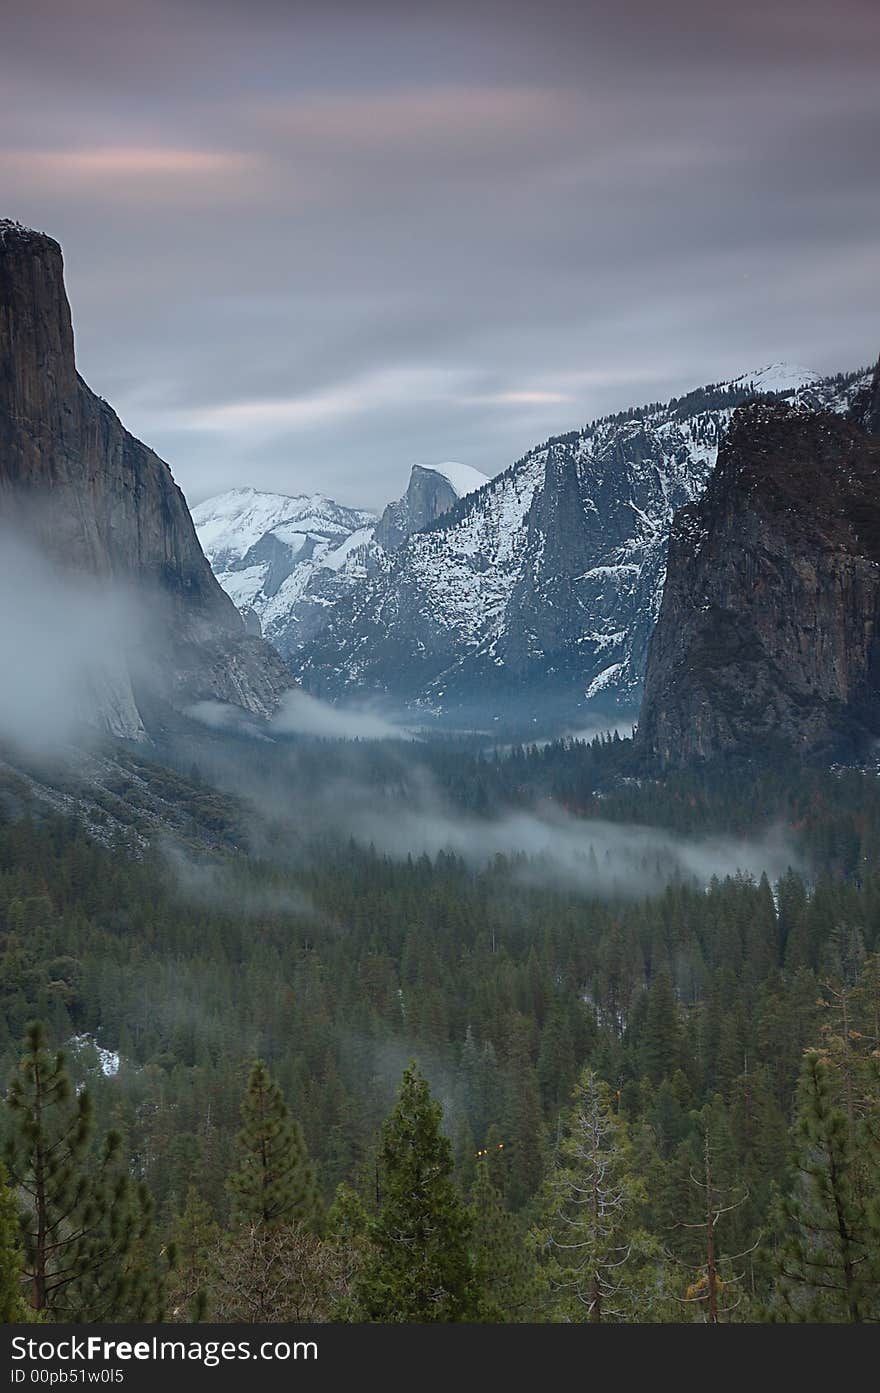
(778, 377)
(463, 477)
(230, 524)
(290, 558)
(549, 578)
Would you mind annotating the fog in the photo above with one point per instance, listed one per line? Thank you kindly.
(63, 641)
(68, 643)
(302, 714)
(386, 796)
(222, 885)
(546, 846)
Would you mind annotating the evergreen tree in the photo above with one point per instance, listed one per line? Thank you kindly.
(194, 1236)
(586, 1233)
(274, 1181)
(714, 1289)
(829, 1259)
(507, 1272)
(85, 1226)
(419, 1266)
(661, 1036)
(13, 1306)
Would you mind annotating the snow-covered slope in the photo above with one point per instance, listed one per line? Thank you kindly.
(543, 585)
(284, 558)
(290, 559)
(463, 477)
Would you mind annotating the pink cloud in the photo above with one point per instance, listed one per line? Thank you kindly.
(135, 162)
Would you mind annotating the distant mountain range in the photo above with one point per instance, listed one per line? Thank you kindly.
(532, 594)
(289, 560)
(536, 594)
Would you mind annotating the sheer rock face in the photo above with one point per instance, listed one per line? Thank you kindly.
(97, 501)
(428, 496)
(769, 628)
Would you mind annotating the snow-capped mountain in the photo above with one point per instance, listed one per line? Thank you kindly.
(433, 489)
(289, 560)
(543, 586)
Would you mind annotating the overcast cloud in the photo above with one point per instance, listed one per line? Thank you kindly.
(308, 244)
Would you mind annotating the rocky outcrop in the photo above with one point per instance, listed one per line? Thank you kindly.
(97, 501)
(428, 496)
(769, 629)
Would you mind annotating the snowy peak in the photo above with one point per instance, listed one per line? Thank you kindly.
(777, 377)
(233, 522)
(463, 478)
(290, 558)
(432, 491)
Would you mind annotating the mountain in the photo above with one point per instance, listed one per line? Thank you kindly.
(88, 500)
(769, 630)
(539, 591)
(432, 491)
(291, 559)
(284, 560)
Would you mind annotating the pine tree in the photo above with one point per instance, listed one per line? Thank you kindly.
(85, 1227)
(13, 1306)
(419, 1266)
(829, 1259)
(274, 1181)
(505, 1264)
(523, 1138)
(586, 1233)
(194, 1235)
(661, 1037)
(715, 1288)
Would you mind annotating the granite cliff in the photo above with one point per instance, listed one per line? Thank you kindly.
(769, 627)
(95, 501)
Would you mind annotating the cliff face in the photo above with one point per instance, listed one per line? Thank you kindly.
(428, 496)
(97, 501)
(769, 628)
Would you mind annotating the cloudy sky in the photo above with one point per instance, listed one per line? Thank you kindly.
(308, 244)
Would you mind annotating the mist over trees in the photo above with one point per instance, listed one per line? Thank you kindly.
(651, 1107)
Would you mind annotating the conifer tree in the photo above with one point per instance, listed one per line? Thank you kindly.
(84, 1224)
(661, 1038)
(419, 1266)
(523, 1137)
(194, 1236)
(13, 1306)
(589, 1212)
(274, 1181)
(715, 1286)
(505, 1265)
(829, 1259)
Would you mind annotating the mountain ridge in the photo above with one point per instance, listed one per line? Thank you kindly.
(290, 558)
(510, 596)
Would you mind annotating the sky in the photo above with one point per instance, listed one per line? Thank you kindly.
(310, 244)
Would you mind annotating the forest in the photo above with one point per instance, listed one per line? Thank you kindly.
(312, 1079)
